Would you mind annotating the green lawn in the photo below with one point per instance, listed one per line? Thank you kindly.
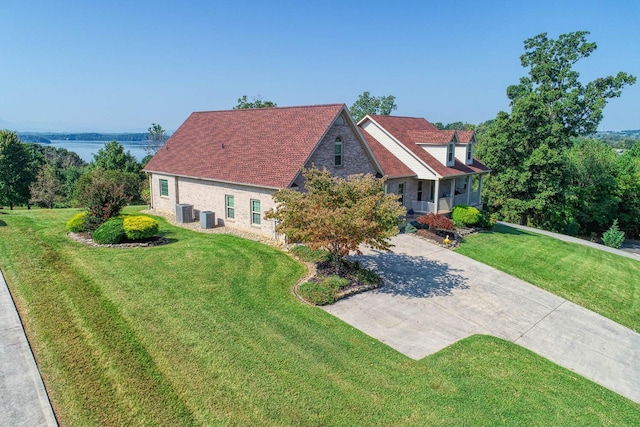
(600, 281)
(205, 331)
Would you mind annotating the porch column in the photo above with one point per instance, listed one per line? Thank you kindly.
(480, 190)
(468, 189)
(436, 198)
(452, 193)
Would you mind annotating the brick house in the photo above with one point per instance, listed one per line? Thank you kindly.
(431, 170)
(231, 162)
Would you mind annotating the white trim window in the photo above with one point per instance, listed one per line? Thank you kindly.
(450, 153)
(469, 152)
(256, 213)
(164, 187)
(401, 192)
(230, 210)
(337, 150)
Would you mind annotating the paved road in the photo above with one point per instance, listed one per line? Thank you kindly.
(434, 297)
(23, 399)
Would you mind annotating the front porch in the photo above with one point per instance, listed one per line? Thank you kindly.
(464, 190)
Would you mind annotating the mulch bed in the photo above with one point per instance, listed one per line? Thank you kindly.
(355, 286)
(455, 236)
(146, 243)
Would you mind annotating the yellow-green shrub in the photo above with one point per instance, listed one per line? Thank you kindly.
(77, 223)
(140, 227)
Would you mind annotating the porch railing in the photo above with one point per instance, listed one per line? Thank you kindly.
(422, 206)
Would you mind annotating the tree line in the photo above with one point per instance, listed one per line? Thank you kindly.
(50, 177)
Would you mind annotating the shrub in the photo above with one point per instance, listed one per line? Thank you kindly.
(364, 275)
(613, 237)
(324, 292)
(464, 215)
(77, 223)
(304, 253)
(140, 227)
(438, 221)
(486, 220)
(110, 232)
(409, 228)
(104, 193)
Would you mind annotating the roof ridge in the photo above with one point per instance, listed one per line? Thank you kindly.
(271, 108)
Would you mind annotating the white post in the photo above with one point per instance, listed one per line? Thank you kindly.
(468, 189)
(436, 198)
(452, 193)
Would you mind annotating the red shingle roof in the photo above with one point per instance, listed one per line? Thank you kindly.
(391, 165)
(440, 137)
(263, 146)
(408, 131)
(464, 136)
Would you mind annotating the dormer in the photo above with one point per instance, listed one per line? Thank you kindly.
(465, 146)
(441, 144)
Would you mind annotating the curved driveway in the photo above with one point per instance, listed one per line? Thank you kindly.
(434, 297)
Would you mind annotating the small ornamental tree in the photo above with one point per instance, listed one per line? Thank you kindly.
(613, 237)
(104, 193)
(436, 221)
(337, 214)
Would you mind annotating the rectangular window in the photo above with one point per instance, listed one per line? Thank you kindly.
(229, 203)
(419, 191)
(338, 152)
(386, 188)
(255, 212)
(450, 153)
(469, 151)
(401, 192)
(164, 188)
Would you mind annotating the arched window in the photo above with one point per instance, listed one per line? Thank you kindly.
(338, 152)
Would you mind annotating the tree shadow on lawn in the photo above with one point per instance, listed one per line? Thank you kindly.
(2, 223)
(505, 229)
(412, 276)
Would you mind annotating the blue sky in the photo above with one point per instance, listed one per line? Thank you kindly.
(121, 65)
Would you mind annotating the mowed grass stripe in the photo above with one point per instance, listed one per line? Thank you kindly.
(95, 343)
(215, 316)
(600, 281)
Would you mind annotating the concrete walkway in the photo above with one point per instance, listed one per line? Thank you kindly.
(23, 399)
(631, 252)
(434, 297)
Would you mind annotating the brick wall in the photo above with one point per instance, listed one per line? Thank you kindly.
(210, 196)
(354, 157)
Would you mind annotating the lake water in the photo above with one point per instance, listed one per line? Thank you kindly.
(86, 149)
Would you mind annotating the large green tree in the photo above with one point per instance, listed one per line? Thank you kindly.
(113, 157)
(367, 104)
(527, 147)
(338, 214)
(256, 102)
(16, 170)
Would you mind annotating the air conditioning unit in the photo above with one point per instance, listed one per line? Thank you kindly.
(207, 219)
(184, 213)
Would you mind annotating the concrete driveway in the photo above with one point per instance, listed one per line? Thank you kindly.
(434, 297)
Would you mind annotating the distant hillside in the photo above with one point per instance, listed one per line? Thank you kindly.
(47, 137)
(623, 139)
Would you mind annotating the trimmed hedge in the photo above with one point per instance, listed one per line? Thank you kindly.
(110, 232)
(77, 223)
(464, 215)
(140, 227)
